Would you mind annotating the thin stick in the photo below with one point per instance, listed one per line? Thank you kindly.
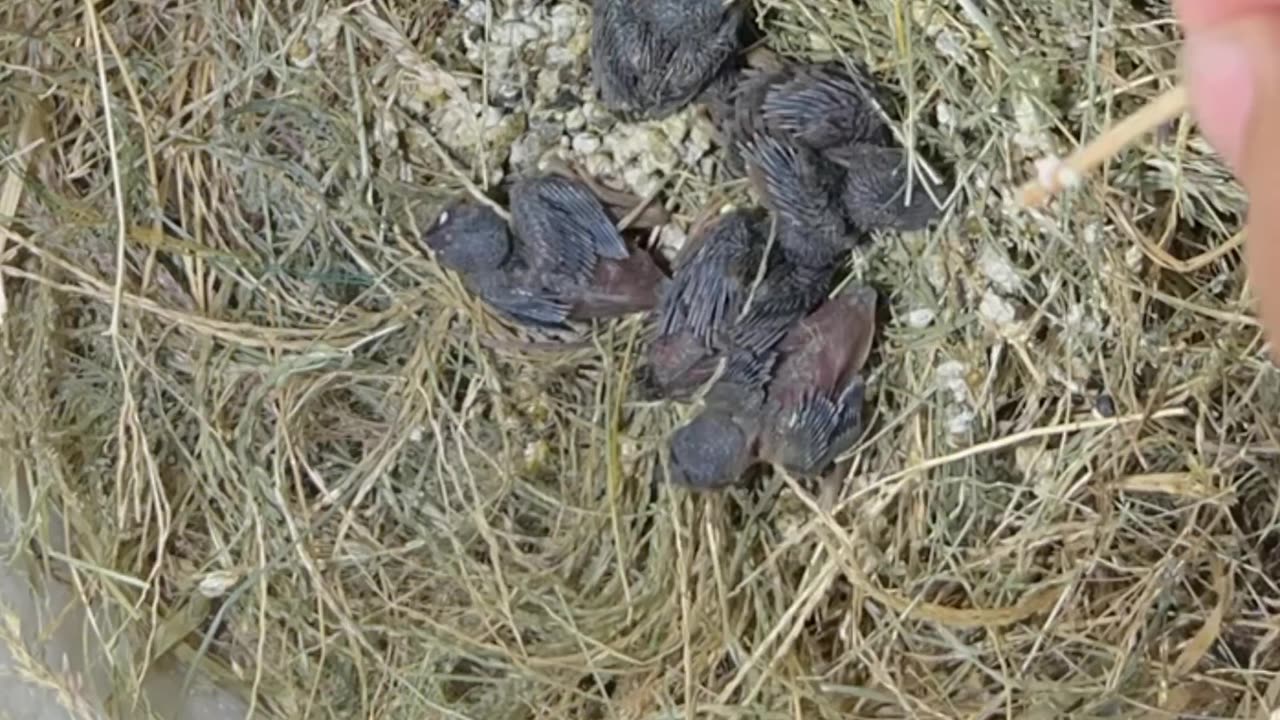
(1057, 174)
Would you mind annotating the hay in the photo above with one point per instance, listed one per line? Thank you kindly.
(287, 451)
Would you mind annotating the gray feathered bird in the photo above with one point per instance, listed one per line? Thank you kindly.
(803, 189)
(713, 308)
(562, 258)
(650, 58)
(812, 411)
(814, 105)
(820, 156)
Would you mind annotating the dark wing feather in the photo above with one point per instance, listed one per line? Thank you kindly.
(795, 183)
(801, 433)
(849, 425)
(701, 309)
(709, 288)
(525, 305)
(748, 104)
(779, 303)
(741, 387)
(562, 228)
(815, 398)
(785, 294)
(821, 106)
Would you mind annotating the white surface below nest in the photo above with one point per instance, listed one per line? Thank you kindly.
(51, 621)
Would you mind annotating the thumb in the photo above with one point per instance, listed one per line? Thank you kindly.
(1233, 75)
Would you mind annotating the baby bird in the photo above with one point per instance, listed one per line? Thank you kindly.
(818, 154)
(564, 261)
(812, 411)
(650, 58)
(713, 308)
(874, 191)
(825, 202)
(711, 282)
(814, 407)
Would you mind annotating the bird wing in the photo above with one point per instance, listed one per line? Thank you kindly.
(522, 304)
(794, 183)
(742, 386)
(562, 229)
(808, 434)
(828, 347)
(822, 105)
(815, 398)
(785, 295)
(799, 435)
(848, 426)
(748, 103)
(708, 289)
(874, 192)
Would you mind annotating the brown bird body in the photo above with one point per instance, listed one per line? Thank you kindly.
(562, 258)
(620, 287)
(814, 407)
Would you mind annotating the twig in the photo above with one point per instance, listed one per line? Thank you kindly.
(1055, 174)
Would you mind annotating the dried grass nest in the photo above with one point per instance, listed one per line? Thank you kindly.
(273, 442)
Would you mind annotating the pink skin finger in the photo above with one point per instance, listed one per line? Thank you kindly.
(1232, 57)
(1218, 74)
(1196, 15)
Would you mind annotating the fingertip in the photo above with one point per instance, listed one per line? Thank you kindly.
(1262, 257)
(1221, 79)
(1197, 15)
(1233, 74)
(1259, 170)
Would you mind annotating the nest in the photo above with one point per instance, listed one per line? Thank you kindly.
(245, 415)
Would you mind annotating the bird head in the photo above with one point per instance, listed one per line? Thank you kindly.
(710, 453)
(469, 237)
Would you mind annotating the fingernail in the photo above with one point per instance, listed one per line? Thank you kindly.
(1221, 82)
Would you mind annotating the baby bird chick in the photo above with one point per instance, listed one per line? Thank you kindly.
(813, 105)
(818, 154)
(713, 308)
(813, 409)
(561, 259)
(804, 191)
(873, 194)
(651, 58)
